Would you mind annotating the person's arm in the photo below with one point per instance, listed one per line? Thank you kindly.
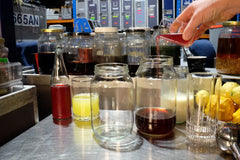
(201, 14)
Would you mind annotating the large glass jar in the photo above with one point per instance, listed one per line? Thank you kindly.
(47, 43)
(78, 54)
(137, 47)
(156, 82)
(228, 51)
(167, 48)
(107, 47)
(115, 91)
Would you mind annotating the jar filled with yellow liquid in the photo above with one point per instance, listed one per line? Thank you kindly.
(81, 107)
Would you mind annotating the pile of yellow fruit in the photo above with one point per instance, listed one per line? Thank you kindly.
(229, 109)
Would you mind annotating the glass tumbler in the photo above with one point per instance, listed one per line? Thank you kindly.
(115, 90)
(203, 107)
(155, 113)
(81, 99)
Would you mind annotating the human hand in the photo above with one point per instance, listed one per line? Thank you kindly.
(201, 14)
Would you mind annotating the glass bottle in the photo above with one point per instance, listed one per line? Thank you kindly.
(47, 43)
(114, 87)
(228, 50)
(137, 47)
(60, 89)
(155, 113)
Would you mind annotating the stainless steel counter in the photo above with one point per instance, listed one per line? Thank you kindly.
(50, 141)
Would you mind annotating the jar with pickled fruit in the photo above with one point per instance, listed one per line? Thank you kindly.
(228, 50)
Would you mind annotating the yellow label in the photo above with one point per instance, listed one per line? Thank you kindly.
(82, 107)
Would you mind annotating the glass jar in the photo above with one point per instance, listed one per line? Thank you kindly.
(78, 55)
(181, 99)
(47, 43)
(107, 46)
(3, 52)
(228, 50)
(137, 47)
(115, 90)
(155, 113)
(167, 48)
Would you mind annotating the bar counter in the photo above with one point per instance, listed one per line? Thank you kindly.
(74, 140)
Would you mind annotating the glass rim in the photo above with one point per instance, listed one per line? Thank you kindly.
(204, 75)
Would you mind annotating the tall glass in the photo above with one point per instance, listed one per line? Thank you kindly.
(203, 104)
(156, 96)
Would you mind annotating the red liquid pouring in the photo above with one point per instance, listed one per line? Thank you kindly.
(174, 38)
(155, 121)
(61, 101)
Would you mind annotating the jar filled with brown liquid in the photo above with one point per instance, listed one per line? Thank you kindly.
(78, 54)
(46, 49)
(228, 51)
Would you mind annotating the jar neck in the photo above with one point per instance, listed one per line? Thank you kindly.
(111, 69)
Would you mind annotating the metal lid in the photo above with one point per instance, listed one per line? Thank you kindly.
(231, 23)
(51, 30)
(2, 40)
(106, 29)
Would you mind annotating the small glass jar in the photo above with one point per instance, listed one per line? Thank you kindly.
(47, 43)
(107, 47)
(228, 50)
(115, 90)
(155, 113)
(137, 47)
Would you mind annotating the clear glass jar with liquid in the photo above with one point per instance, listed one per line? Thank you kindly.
(107, 47)
(156, 82)
(228, 50)
(137, 46)
(47, 43)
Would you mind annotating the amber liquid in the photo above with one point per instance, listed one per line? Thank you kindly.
(155, 121)
(80, 64)
(228, 56)
(46, 62)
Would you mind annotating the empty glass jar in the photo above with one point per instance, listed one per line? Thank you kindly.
(156, 83)
(115, 90)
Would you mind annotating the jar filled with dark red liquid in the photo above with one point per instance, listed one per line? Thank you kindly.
(156, 83)
(78, 54)
(46, 49)
(60, 89)
(228, 51)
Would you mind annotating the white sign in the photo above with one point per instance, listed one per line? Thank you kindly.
(23, 19)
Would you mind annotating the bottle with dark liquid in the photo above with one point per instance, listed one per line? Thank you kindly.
(228, 51)
(60, 89)
(156, 96)
(46, 49)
